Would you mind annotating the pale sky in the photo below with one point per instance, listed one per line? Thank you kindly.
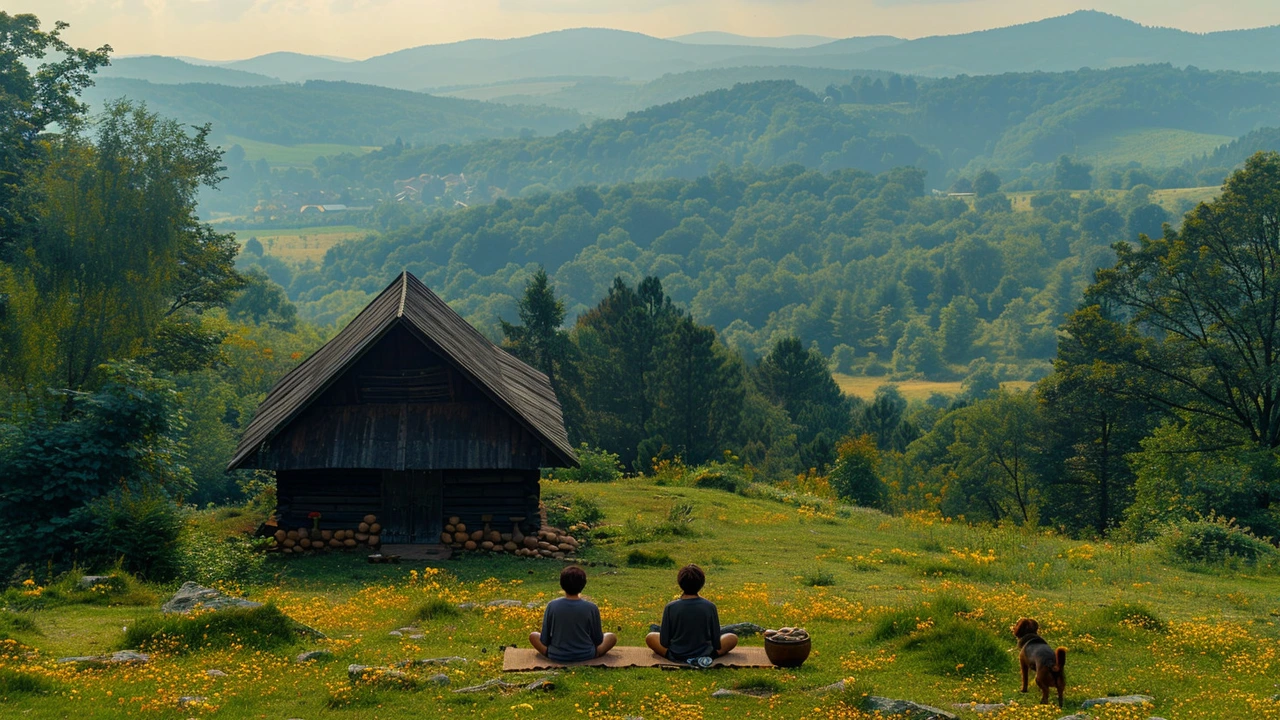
(233, 29)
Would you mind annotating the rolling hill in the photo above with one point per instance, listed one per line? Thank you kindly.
(170, 71)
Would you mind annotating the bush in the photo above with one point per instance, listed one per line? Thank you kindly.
(679, 522)
(565, 510)
(718, 476)
(138, 531)
(657, 558)
(261, 628)
(959, 647)
(903, 622)
(12, 623)
(854, 475)
(821, 578)
(1118, 615)
(594, 466)
(1213, 541)
(14, 682)
(435, 609)
(207, 558)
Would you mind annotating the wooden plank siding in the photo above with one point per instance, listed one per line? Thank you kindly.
(472, 494)
(342, 497)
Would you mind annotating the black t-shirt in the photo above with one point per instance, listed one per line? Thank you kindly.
(571, 629)
(690, 628)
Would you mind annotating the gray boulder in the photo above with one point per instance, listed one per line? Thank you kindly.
(119, 657)
(192, 596)
(905, 709)
(433, 661)
(377, 675)
(439, 680)
(87, 582)
(189, 700)
(742, 629)
(1118, 700)
(505, 603)
(314, 656)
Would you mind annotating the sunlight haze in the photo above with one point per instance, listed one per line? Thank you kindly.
(233, 29)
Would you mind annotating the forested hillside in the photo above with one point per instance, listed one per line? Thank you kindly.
(334, 112)
(863, 266)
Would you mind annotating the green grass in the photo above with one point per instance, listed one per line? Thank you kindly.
(286, 156)
(1152, 147)
(260, 628)
(865, 387)
(884, 621)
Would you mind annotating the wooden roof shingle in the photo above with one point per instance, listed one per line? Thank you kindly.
(519, 389)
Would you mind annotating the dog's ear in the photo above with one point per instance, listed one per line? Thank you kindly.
(1026, 626)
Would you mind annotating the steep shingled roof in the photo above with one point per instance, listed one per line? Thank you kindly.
(519, 389)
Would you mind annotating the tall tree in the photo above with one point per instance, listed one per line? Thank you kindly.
(1194, 316)
(697, 394)
(115, 251)
(993, 457)
(798, 379)
(32, 102)
(617, 341)
(541, 341)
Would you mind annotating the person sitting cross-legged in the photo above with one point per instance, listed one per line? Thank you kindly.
(571, 625)
(690, 630)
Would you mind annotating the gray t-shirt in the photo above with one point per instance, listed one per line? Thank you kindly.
(690, 628)
(571, 630)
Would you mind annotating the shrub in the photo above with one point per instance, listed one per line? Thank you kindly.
(854, 475)
(208, 558)
(11, 623)
(595, 465)
(1130, 615)
(139, 531)
(719, 480)
(435, 609)
(679, 521)
(959, 647)
(903, 622)
(565, 510)
(821, 578)
(656, 558)
(15, 682)
(1213, 541)
(120, 588)
(261, 628)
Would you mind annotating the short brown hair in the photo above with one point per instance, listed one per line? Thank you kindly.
(573, 579)
(691, 579)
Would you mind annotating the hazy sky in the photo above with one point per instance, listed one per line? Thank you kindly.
(230, 29)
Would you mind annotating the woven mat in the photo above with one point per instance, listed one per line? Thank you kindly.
(520, 659)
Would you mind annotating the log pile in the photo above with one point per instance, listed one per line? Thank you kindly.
(365, 536)
(548, 542)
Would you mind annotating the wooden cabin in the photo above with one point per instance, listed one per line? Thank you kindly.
(410, 414)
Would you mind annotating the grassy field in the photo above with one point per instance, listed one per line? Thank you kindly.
(285, 156)
(912, 607)
(1152, 147)
(865, 387)
(300, 245)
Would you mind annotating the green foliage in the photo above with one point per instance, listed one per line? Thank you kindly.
(119, 588)
(12, 623)
(798, 380)
(121, 434)
(209, 558)
(650, 558)
(819, 578)
(958, 647)
(434, 609)
(728, 478)
(1214, 542)
(594, 466)
(1120, 615)
(565, 510)
(854, 476)
(260, 628)
(16, 682)
(140, 531)
(905, 621)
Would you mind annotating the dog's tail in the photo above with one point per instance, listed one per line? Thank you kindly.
(1061, 658)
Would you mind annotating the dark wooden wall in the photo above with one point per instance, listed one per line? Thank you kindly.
(470, 494)
(342, 497)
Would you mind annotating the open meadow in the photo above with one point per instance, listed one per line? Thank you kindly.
(298, 246)
(865, 387)
(905, 607)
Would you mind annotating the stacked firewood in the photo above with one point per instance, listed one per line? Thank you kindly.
(549, 542)
(366, 535)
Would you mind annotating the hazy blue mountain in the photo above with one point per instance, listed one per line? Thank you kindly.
(289, 66)
(167, 70)
(784, 41)
(335, 112)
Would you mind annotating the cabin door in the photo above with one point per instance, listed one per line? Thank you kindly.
(413, 501)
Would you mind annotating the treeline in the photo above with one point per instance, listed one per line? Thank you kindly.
(866, 267)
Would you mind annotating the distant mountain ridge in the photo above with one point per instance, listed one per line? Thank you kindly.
(1069, 42)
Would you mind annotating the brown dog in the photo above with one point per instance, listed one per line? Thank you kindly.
(1034, 652)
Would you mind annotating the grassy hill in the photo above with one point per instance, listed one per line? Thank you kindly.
(905, 607)
(1151, 147)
